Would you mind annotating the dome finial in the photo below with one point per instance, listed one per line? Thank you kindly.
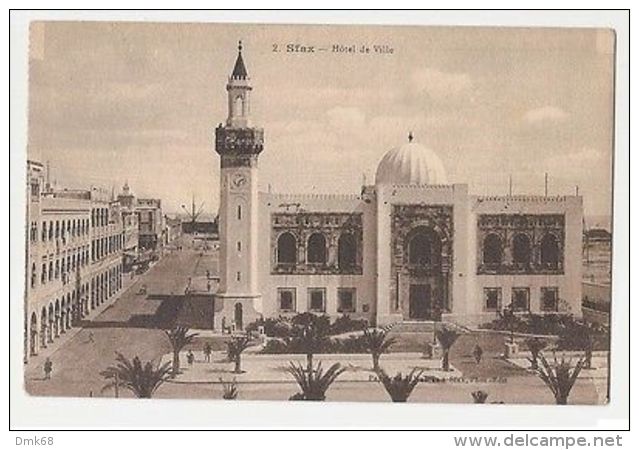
(410, 136)
(239, 46)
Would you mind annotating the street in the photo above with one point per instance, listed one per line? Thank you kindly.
(130, 325)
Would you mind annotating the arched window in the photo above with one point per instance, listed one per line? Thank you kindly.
(424, 248)
(33, 275)
(239, 106)
(492, 250)
(346, 251)
(286, 249)
(521, 249)
(550, 251)
(43, 327)
(316, 250)
(33, 335)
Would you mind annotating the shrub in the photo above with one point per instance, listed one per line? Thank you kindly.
(321, 324)
(400, 387)
(314, 382)
(479, 396)
(344, 324)
(229, 389)
(273, 327)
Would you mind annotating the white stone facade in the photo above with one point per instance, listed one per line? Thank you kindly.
(402, 249)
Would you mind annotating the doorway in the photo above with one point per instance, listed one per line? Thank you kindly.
(419, 302)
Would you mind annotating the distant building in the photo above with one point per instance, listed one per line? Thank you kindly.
(73, 257)
(200, 227)
(127, 203)
(150, 223)
(173, 229)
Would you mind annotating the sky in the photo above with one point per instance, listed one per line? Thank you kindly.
(138, 102)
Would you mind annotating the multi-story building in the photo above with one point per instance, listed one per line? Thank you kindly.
(130, 224)
(73, 258)
(411, 247)
(172, 229)
(150, 223)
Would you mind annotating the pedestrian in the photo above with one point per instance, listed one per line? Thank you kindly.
(190, 358)
(477, 353)
(48, 368)
(207, 352)
(91, 337)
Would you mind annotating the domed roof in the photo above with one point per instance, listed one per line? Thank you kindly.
(411, 163)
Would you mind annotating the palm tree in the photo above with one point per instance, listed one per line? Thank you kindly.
(586, 340)
(179, 338)
(235, 347)
(377, 343)
(314, 382)
(446, 338)
(399, 387)
(310, 341)
(535, 346)
(143, 379)
(560, 377)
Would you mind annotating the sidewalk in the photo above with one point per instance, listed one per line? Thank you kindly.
(35, 362)
(261, 368)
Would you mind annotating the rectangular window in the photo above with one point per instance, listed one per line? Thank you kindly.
(317, 299)
(549, 299)
(239, 246)
(346, 300)
(239, 276)
(492, 299)
(286, 299)
(521, 299)
(239, 212)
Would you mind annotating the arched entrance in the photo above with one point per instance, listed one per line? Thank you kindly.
(56, 323)
(43, 328)
(421, 261)
(51, 318)
(238, 316)
(424, 266)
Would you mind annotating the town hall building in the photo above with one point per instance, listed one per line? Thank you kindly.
(411, 247)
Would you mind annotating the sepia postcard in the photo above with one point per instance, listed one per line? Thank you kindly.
(339, 213)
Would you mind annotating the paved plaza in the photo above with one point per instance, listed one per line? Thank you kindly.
(133, 323)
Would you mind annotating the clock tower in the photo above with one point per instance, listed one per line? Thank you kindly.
(238, 300)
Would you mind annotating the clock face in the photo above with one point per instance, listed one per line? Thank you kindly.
(238, 181)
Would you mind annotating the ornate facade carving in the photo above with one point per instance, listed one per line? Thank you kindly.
(535, 227)
(302, 226)
(406, 221)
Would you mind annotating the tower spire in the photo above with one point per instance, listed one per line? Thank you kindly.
(239, 71)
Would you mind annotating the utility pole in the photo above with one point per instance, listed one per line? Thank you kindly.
(510, 185)
(545, 184)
